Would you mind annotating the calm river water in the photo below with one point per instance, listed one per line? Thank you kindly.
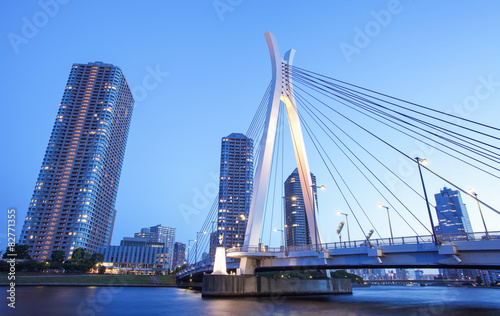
(376, 300)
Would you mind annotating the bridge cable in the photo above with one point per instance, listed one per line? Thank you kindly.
(304, 71)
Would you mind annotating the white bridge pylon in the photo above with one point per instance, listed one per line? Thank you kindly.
(282, 93)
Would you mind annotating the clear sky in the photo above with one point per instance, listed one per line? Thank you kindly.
(198, 70)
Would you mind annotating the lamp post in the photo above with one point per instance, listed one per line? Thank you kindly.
(471, 191)
(196, 241)
(293, 233)
(339, 231)
(389, 218)
(322, 187)
(347, 226)
(424, 161)
(282, 237)
(189, 246)
(285, 198)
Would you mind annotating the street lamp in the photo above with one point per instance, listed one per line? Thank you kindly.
(339, 231)
(322, 187)
(189, 246)
(292, 198)
(471, 191)
(424, 162)
(196, 241)
(347, 226)
(282, 237)
(389, 218)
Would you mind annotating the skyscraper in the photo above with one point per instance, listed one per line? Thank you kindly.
(74, 198)
(454, 224)
(452, 215)
(297, 228)
(235, 188)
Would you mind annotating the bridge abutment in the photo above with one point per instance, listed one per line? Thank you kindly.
(253, 285)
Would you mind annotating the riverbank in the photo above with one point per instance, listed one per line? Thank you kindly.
(90, 280)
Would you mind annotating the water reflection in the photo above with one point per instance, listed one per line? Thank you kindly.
(377, 300)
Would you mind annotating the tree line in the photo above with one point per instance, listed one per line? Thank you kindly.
(81, 261)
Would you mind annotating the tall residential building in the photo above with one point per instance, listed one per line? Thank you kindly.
(297, 228)
(179, 254)
(235, 188)
(75, 193)
(161, 234)
(452, 215)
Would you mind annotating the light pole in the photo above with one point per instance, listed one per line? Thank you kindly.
(347, 226)
(471, 191)
(189, 246)
(293, 233)
(282, 237)
(196, 241)
(424, 161)
(314, 213)
(285, 198)
(389, 218)
(339, 231)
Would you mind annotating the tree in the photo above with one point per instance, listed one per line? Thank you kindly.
(102, 269)
(57, 259)
(95, 259)
(21, 251)
(342, 274)
(78, 255)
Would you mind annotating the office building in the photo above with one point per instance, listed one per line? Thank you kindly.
(453, 219)
(136, 258)
(159, 233)
(235, 188)
(297, 229)
(74, 198)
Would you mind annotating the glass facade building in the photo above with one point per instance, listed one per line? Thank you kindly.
(159, 233)
(74, 198)
(235, 188)
(452, 215)
(296, 224)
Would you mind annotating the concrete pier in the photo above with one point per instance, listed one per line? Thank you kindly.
(252, 285)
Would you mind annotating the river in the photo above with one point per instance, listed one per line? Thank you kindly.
(375, 300)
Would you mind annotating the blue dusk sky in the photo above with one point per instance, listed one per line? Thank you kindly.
(198, 71)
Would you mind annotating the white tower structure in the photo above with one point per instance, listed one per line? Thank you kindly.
(282, 92)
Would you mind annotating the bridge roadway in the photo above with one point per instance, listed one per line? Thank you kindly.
(458, 252)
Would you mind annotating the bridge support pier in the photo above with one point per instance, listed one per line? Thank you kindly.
(247, 266)
(253, 285)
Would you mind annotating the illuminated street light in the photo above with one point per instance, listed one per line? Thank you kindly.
(389, 218)
(347, 226)
(322, 187)
(471, 191)
(424, 162)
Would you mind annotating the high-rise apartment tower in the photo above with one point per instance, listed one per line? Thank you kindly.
(296, 226)
(73, 204)
(235, 188)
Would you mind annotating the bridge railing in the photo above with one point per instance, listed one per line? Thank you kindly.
(408, 240)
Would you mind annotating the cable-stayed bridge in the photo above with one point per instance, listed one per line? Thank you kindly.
(310, 100)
